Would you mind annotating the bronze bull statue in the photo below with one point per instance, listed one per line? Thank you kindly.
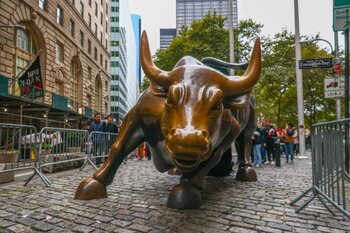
(188, 117)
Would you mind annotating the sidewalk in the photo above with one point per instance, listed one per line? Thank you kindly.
(137, 203)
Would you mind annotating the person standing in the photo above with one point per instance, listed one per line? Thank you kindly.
(256, 140)
(264, 134)
(270, 143)
(113, 129)
(97, 139)
(288, 138)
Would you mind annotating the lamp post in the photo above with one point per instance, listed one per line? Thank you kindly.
(336, 61)
(231, 36)
(299, 78)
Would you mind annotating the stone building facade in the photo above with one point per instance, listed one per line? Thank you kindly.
(71, 38)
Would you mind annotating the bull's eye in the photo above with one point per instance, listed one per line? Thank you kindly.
(217, 107)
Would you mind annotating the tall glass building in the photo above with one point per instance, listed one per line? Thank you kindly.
(166, 36)
(124, 84)
(136, 22)
(189, 10)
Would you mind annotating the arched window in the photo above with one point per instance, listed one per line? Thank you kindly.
(98, 94)
(25, 48)
(74, 80)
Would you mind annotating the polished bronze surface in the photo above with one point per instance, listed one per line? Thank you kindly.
(189, 117)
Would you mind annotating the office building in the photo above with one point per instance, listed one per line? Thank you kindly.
(136, 22)
(124, 85)
(166, 36)
(189, 10)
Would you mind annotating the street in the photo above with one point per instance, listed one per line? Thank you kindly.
(137, 203)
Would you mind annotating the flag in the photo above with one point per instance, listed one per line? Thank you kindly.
(30, 82)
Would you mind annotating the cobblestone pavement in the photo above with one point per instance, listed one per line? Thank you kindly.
(137, 203)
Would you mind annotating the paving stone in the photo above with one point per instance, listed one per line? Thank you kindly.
(137, 203)
(42, 226)
(82, 229)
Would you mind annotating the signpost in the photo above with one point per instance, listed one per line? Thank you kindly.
(341, 22)
(315, 63)
(334, 87)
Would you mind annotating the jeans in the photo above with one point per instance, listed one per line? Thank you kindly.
(289, 148)
(257, 154)
(97, 148)
(263, 153)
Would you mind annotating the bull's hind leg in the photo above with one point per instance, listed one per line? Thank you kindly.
(245, 171)
(244, 147)
(129, 138)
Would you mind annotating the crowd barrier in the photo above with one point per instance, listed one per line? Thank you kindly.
(99, 146)
(50, 150)
(330, 180)
(18, 151)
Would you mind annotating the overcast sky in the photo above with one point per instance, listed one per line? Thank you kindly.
(315, 16)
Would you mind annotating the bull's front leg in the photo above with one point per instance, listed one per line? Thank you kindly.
(130, 138)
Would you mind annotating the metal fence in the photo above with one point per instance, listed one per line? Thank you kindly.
(330, 180)
(99, 146)
(18, 151)
(62, 148)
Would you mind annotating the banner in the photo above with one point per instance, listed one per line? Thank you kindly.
(30, 83)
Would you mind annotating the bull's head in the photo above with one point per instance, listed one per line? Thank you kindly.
(196, 96)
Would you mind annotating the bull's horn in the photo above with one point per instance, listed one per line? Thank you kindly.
(155, 74)
(250, 77)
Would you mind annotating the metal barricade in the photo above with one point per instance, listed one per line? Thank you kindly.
(100, 144)
(330, 181)
(18, 151)
(60, 148)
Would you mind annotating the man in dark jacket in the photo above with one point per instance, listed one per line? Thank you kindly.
(112, 129)
(97, 139)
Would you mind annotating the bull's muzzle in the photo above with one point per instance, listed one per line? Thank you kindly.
(188, 147)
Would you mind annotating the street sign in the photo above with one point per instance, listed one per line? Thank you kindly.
(315, 63)
(334, 87)
(336, 68)
(341, 15)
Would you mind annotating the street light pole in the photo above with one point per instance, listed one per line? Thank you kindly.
(299, 79)
(336, 61)
(231, 36)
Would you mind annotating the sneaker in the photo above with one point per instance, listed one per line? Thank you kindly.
(257, 165)
(287, 161)
(273, 162)
(266, 162)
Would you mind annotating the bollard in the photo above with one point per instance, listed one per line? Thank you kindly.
(277, 154)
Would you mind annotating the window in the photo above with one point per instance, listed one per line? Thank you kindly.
(101, 36)
(101, 20)
(89, 46)
(106, 26)
(26, 47)
(95, 53)
(114, 29)
(72, 27)
(95, 29)
(89, 20)
(89, 73)
(59, 52)
(115, 9)
(82, 8)
(106, 9)
(106, 65)
(114, 43)
(114, 64)
(114, 19)
(74, 79)
(114, 53)
(82, 39)
(96, 9)
(42, 4)
(101, 60)
(89, 2)
(59, 15)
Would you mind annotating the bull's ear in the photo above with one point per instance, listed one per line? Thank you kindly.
(159, 90)
(238, 102)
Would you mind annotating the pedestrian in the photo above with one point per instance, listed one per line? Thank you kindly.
(288, 139)
(97, 126)
(264, 134)
(270, 143)
(256, 140)
(112, 129)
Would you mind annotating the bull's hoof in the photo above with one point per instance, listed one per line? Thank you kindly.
(246, 173)
(89, 189)
(184, 196)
